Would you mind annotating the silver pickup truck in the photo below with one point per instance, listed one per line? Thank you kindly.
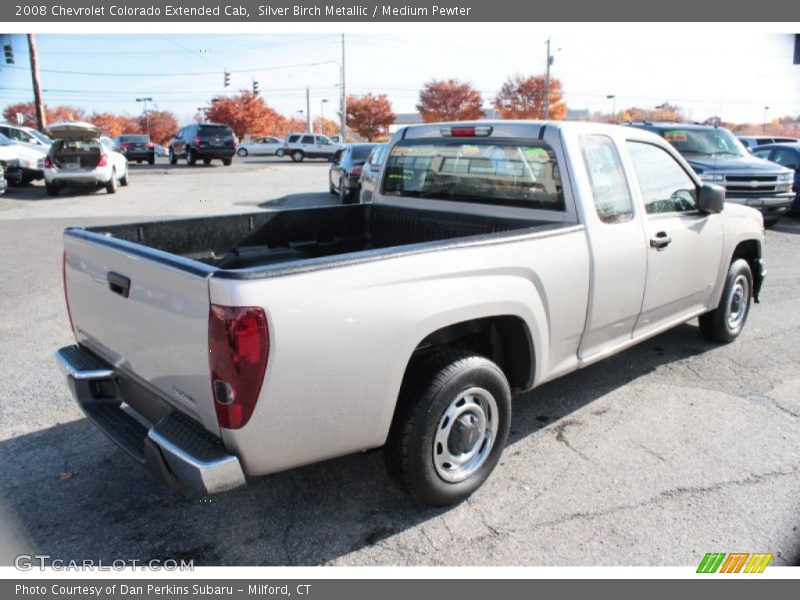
(495, 256)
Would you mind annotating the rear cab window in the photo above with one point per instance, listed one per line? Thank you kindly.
(520, 173)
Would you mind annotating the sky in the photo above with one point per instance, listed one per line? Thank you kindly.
(718, 73)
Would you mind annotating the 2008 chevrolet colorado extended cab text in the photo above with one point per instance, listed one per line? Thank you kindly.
(495, 256)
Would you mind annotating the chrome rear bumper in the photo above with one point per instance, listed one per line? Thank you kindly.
(176, 449)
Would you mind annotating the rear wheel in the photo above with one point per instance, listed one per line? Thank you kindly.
(123, 181)
(173, 160)
(451, 426)
(52, 190)
(242, 152)
(111, 186)
(297, 155)
(227, 161)
(344, 196)
(206, 161)
(725, 323)
(151, 160)
(191, 157)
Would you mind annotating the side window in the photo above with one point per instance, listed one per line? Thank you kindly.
(612, 198)
(762, 153)
(377, 157)
(787, 158)
(307, 139)
(665, 186)
(323, 141)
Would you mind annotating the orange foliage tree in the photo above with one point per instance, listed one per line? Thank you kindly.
(244, 113)
(52, 114)
(163, 125)
(449, 100)
(524, 98)
(325, 126)
(663, 112)
(369, 116)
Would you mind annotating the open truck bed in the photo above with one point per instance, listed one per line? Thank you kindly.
(271, 243)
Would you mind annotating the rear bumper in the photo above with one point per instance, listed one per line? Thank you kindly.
(211, 152)
(140, 154)
(78, 178)
(175, 448)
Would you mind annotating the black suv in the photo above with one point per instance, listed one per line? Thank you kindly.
(136, 147)
(718, 157)
(203, 141)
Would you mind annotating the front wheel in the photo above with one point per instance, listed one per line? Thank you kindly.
(242, 152)
(451, 426)
(725, 323)
(173, 160)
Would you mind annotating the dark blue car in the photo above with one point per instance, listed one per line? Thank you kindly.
(787, 155)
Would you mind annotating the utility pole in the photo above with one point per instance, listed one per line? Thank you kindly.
(146, 114)
(764, 126)
(614, 109)
(308, 110)
(343, 124)
(547, 81)
(41, 118)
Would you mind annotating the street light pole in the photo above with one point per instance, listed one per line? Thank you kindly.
(343, 122)
(764, 126)
(614, 109)
(146, 116)
(547, 81)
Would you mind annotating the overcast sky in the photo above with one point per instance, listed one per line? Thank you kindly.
(718, 72)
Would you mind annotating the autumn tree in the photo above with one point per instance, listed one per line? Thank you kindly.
(52, 114)
(525, 98)
(162, 124)
(662, 112)
(449, 100)
(244, 113)
(325, 126)
(369, 115)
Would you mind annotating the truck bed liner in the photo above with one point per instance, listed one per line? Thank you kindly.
(251, 245)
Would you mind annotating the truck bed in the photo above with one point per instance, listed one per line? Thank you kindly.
(259, 244)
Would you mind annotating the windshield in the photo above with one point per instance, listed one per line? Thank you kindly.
(217, 130)
(710, 142)
(479, 170)
(40, 136)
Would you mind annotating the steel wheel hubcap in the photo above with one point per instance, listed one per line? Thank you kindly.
(737, 305)
(465, 435)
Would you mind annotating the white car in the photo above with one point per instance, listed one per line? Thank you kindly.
(27, 162)
(261, 146)
(27, 136)
(299, 146)
(81, 157)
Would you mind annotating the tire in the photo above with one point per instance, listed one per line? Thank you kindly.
(151, 160)
(227, 162)
(173, 160)
(725, 323)
(242, 152)
(344, 195)
(123, 181)
(206, 161)
(297, 155)
(138, 161)
(191, 157)
(52, 190)
(279, 153)
(111, 186)
(443, 391)
(331, 188)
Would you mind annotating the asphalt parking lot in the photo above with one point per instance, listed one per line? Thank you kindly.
(655, 456)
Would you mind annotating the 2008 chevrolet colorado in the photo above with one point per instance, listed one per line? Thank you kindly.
(495, 256)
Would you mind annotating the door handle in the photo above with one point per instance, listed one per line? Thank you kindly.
(661, 241)
(119, 284)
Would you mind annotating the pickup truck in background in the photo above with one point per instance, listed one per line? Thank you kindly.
(718, 157)
(495, 256)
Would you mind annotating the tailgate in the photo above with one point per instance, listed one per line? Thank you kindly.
(147, 317)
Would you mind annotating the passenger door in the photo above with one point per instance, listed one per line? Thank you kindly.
(617, 249)
(324, 147)
(684, 245)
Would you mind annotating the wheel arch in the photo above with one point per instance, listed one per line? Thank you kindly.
(750, 250)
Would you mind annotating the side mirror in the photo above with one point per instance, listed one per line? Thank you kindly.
(711, 198)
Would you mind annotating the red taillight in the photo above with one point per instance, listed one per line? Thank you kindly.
(238, 341)
(356, 170)
(64, 281)
(150, 145)
(48, 164)
(126, 145)
(103, 160)
(197, 142)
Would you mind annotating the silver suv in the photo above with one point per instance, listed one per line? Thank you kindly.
(299, 146)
